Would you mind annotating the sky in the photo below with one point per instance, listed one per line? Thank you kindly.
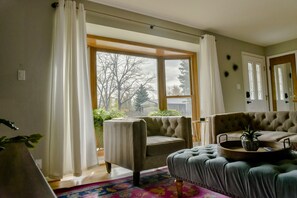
(173, 71)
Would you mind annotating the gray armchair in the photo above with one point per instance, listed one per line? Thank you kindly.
(145, 142)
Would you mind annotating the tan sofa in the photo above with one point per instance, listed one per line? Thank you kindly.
(273, 126)
(144, 142)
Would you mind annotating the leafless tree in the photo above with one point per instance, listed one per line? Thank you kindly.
(119, 76)
(105, 80)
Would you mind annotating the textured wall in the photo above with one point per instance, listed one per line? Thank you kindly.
(25, 38)
(234, 98)
(281, 48)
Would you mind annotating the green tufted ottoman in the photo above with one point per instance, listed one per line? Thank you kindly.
(202, 166)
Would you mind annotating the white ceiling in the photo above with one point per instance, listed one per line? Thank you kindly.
(262, 22)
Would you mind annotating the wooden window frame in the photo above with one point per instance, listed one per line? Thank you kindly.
(160, 54)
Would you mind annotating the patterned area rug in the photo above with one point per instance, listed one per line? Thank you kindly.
(156, 183)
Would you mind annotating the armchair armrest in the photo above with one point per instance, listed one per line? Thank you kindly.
(125, 142)
(227, 122)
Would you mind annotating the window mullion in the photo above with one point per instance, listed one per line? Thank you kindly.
(162, 84)
(93, 77)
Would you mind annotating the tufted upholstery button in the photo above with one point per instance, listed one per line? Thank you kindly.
(202, 166)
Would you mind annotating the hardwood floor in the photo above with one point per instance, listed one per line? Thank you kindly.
(96, 174)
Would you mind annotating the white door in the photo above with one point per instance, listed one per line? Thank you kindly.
(283, 87)
(254, 78)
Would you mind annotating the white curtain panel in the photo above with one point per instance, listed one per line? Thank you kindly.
(211, 96)
(72, 140)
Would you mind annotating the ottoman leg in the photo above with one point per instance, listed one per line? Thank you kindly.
(179, 187)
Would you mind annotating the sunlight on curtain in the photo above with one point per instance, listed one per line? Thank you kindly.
(72, 139)
(211, 96)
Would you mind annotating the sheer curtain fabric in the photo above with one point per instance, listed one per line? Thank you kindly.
(211, 96)
(72, 146)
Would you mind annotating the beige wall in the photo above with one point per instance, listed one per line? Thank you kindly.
(234, 99)
(94, 16)
(281, 48)
(25, 37)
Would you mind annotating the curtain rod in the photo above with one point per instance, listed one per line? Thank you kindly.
(56, 4)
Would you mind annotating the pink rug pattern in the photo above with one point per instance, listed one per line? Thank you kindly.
(153, 184)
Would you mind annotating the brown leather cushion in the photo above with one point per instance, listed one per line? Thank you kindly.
(164, 125)
(274, 136)
(274, 121)
(293, 140)
(159, 145)
(234, 135)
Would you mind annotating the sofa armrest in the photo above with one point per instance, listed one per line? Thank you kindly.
(186, 131)
(227, 122)
(125, 142)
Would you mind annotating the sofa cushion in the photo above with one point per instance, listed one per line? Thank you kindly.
(272, 136)
(274, 120)
(234, 135)
(159, 145)
(293, 141)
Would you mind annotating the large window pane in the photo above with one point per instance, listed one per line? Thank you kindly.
(127, 83)
(182, 105)
(251, 80)
(259, 82)
(281, 84)
(177, 77)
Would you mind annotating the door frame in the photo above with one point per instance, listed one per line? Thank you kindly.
(269, 76)
(264, 75)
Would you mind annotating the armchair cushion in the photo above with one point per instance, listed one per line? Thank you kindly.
(159, 145)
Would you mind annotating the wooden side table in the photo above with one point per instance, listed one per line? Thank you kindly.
(197, 130)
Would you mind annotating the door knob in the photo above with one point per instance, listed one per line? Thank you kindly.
(247, 94)
(248, 102)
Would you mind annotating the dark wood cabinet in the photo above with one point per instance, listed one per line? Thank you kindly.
(19, 175)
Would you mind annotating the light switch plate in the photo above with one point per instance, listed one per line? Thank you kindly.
(21, 74)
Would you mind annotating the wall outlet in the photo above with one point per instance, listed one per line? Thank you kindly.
(38, 162)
